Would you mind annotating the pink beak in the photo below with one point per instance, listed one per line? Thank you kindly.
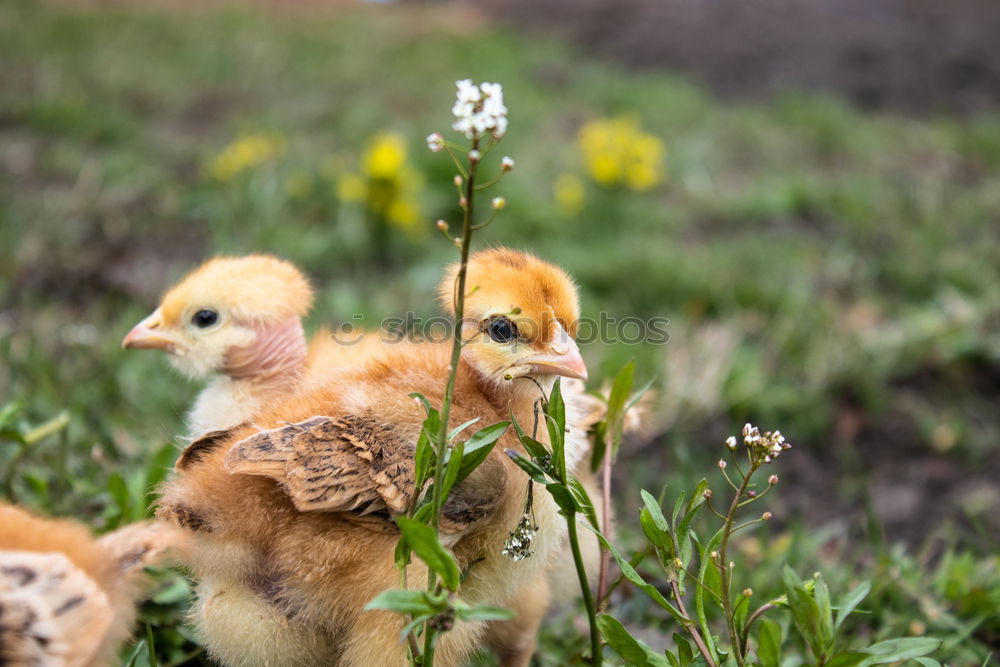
(145, 335)
(563, 359)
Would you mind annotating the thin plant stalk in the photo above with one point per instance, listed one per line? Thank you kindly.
(725, 572)
(602, 581)
(441, 444)
(588, 597)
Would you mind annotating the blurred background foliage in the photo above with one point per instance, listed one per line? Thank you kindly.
(826, 269)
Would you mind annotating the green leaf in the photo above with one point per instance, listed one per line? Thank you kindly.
(740, 609)
(584, 504)
(684, 651)
(401, 556)
(620, 389)
(478, 447)
(534, 471)
(655, 512)
(822, 595)
(628, 647)
(423, 459)
(657, 537)
(454, 464)
(458, 429)
(482, 613)
(769, 643)
(684, 550)
(894, 650)
(555, 420)
(850, 602)
(150, 646)
(637, 396)
(805, 613)
(673, 659)
(929, 662)
(846, 659)
(563, 497)
(407, 602)
(598, 445)
(678, 504)
(422, 539)
(631, 575)
(133, 655)
(534, 448)
(655, 525)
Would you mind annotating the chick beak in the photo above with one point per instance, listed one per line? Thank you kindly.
(148, 335)
(563, 358)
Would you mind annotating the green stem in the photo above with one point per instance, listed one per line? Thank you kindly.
(726, 573)
(588, 597)
(441, 444)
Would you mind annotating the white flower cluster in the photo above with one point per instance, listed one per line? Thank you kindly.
(768, 446)
(479, 110)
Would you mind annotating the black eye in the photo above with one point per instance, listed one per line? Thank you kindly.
(501, 330)
(204, 318)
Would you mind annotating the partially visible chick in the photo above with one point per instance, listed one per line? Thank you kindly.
(66, 598)
(292, 521)
(236, 320)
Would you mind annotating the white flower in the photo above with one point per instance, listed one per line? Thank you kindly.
(479, 110)
(731, 442)
(507, 163)
(435, 142)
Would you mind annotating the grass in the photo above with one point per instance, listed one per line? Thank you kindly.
(825, 271)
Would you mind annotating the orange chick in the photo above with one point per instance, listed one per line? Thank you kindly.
(291, 523)
(69, 599)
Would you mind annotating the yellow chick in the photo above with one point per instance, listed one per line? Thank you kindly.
(69, 599)
(236, 320)
(291, 528)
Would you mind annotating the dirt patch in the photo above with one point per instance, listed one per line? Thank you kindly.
(909, 55)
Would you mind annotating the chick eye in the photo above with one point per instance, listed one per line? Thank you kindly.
(501, 330)
(204, 318)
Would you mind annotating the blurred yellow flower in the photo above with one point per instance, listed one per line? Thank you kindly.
(388, 186)
(351, 187)
(568, 190)
(617, 152)
(385, 156)
(245, 152)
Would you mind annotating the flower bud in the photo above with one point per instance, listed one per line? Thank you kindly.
(772, 480)
(463, 202)
(751, 493)
(442, 226)
(722, 464)
(766, 516)
(458, 181)
(435, 142)
(731, 442)
(475, 156)
(507, 163)
(747, 592)
(708, 494)
(458, 241)
(499, 203)
(714, 555)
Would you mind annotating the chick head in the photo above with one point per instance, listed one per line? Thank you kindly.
(520, 317)
(235, 315)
